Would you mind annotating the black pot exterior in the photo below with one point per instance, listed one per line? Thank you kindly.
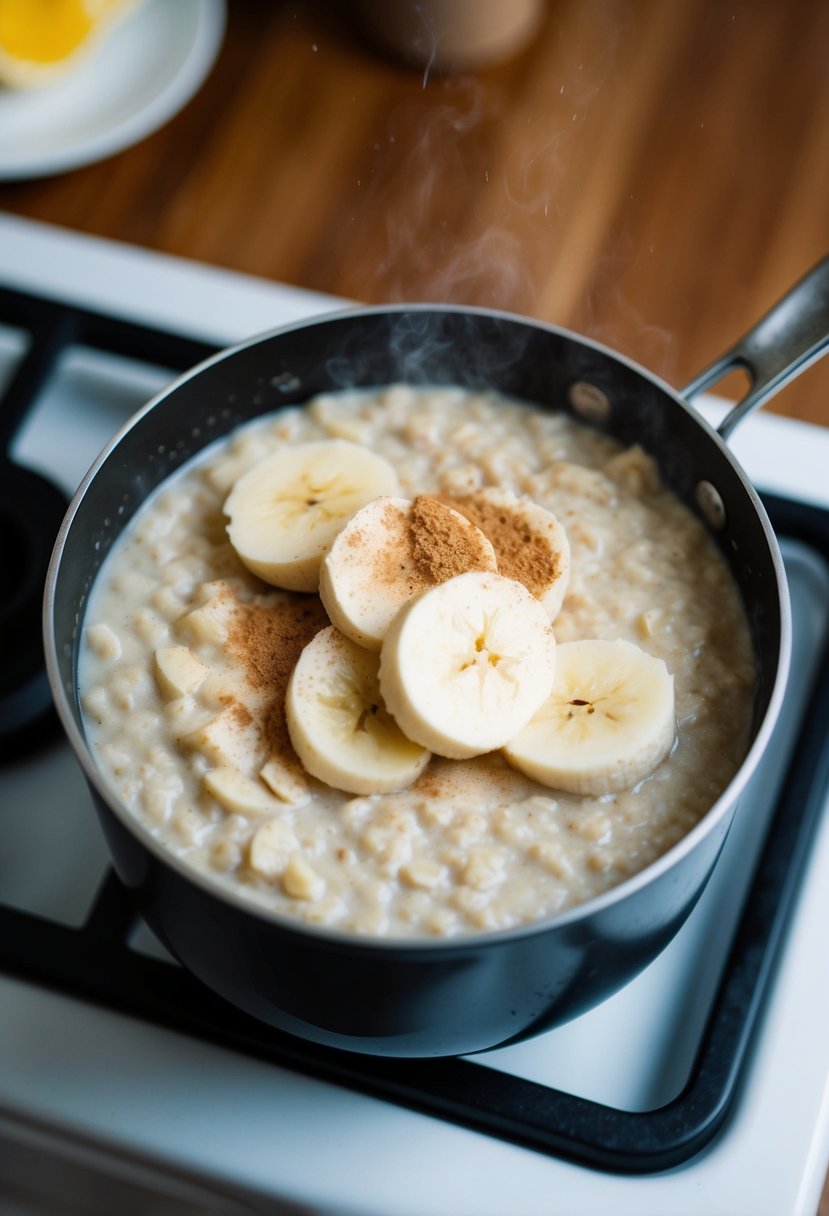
(398, 999)
(403, 998)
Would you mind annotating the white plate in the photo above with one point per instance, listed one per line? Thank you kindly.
(141, 73)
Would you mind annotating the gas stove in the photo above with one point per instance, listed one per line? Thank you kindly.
(703, 1085)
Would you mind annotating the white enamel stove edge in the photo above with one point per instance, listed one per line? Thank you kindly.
(107, 1084)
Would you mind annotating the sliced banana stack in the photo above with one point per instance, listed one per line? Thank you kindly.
(530, 544)
(389, 551)
(608, 722)
(466, 665)
(338, 723)
(285, 511)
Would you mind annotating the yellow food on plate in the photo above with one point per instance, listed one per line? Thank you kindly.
(42, 39)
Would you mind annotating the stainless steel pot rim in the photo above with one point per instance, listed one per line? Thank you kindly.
(459, 943)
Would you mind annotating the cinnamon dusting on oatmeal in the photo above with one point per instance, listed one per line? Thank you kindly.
(482, 782)
(267, 640)
(237, 709)
(527, 557)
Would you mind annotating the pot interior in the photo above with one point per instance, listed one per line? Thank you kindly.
(544, 366)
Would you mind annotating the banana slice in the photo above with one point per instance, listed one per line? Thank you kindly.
(466, 665)
(607, 724)
(338, 724)
(529, 542)
(271, 848)
(229, 740)
(178, 671)
(285, 780)
(285, 511)
(389, 551)
(239, 794)
(207, 624)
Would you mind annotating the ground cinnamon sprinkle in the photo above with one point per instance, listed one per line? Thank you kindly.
(239, 712)
(441, 547)
(527, 557)
(426, 545)
(267, 639)
(394, 559)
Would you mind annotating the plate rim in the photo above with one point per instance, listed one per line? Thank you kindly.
(208, 33)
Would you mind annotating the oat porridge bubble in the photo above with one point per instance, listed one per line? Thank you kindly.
(472, 665)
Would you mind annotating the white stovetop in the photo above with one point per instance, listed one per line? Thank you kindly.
(110, 1083)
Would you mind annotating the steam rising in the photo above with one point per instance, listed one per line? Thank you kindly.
(428, 169)
(537, 229)
(425, 347)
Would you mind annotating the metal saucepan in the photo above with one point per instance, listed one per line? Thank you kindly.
(436, 997)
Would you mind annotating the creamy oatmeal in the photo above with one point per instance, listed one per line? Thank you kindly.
(188, 657)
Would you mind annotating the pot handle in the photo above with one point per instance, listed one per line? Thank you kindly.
(790, 337)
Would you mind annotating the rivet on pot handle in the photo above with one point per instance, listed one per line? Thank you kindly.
(790, 337)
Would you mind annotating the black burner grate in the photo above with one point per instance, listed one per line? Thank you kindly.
(31, 508)
(96, 961)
